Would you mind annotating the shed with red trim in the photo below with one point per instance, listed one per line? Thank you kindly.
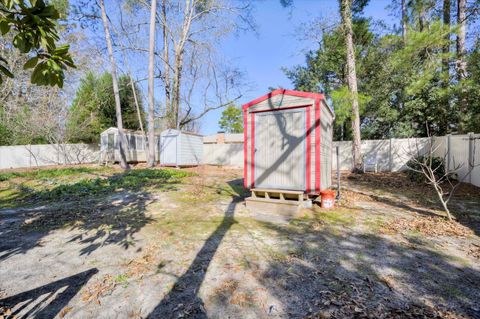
(288, 141)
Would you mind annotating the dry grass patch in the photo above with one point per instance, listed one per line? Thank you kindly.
(429, 226)
(474, 251)
(99, 289)
(146, 263)
(348, 199)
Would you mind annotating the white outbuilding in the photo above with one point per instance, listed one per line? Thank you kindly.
(136, 146)
(180, 148)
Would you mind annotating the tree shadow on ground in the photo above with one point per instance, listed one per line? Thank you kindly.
(102, 211)
(332, 273)
(38, 302)
(182, 299)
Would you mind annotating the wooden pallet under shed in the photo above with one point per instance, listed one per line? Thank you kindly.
(275, 201)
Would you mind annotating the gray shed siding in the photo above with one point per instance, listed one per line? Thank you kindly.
(278, 164)
(281, 103)
(326, 125)
(136, 148)
(188, 150)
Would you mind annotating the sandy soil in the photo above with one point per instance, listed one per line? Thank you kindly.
(194, 251)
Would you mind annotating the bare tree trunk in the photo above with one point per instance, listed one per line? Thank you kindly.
(151, 88)
(444, 123)
(118, 108)
(446, 22)
(179, 49)
(404, 21)
(177, 74)
(345, 10)
(166, 58)
(421, 16)
(461, 17)
(444, 205)
(137, 106)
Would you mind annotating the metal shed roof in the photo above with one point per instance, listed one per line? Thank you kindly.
(320, 96)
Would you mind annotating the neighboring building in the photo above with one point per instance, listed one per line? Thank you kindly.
(222, 138)
(172, 147)
(136, 150)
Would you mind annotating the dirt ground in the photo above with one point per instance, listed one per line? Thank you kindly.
(98, 243)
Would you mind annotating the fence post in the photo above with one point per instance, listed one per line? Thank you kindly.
(448, 151)
(337, 148)
(471, 140)
(390, 156)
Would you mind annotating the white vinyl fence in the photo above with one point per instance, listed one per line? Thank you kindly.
(392, 155)
(20, 156)
(461, 153)
(223, 154)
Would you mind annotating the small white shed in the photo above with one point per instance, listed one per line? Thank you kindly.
(136, 146)
(180, 148)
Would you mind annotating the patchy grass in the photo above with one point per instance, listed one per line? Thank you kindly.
(338, 216)
(319, 218)
(131, 180)
(121, 279)
(36, 189)
(49, 173)
(375, 224)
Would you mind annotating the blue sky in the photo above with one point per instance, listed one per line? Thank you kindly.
(275, 45)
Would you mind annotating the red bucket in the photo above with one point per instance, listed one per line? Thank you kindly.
(328, 198)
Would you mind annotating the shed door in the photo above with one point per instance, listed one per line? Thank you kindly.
(168, 150)
(280, 150)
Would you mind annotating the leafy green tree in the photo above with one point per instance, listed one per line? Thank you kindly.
(403, 83)
(325, 71)
(93, 109)
(231, 120)
(469, 92)
(34, 27)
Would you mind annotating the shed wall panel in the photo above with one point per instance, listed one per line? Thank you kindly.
(280, 150)
(249, 152)
(190, 149)
(312, 148)
(326, 130)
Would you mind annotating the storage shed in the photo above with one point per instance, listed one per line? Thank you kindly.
(136, 146)
(180, 148)
(288, 142)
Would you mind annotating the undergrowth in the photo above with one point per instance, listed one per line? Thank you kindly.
(132, 180)
(47, 173)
